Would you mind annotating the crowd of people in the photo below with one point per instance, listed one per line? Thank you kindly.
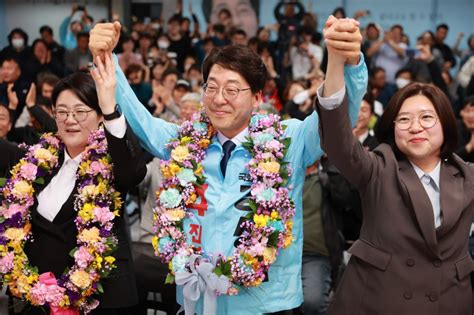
(363, 88)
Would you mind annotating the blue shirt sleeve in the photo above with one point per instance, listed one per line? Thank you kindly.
(356, 78)
(153, 133)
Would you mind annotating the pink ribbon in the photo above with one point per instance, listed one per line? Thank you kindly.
(48, 278)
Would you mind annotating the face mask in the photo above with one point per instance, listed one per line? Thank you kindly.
(18, 42)
(163, 44)
(401, 82)
(193, 82)
(155, 26)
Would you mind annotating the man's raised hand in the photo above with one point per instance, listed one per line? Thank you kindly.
(103, 38)
(343, 39)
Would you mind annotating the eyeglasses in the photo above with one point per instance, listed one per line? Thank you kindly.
(79, 115)
(229, 92)
(426, 120)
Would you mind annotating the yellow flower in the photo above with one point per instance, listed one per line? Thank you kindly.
(191, 199)
(101, 188)
(98, 261)
(260, 220)
(81, 279)
(109, 259)
(89, 190)
(198, 171)
(185, 140)
(15, 234)
(175, 214)
(22, 284)
(86, 212)
(22, 189)
(42, 154)
(90, 235)
(117, 200)
(154, 242)
(180, 153)
(204, 143)
(270, 167)
(174, 169)
(269, 255)
(288, 240)
(83, 167)
(274, 215)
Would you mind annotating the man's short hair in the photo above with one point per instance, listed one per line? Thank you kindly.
(442, 25)
(46, 28)
(240, 59)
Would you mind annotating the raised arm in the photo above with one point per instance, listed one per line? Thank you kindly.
(152, 132)
(129, 168)
(348, 76)
(342, 148)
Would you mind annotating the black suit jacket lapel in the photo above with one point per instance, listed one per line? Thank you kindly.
(421, 204)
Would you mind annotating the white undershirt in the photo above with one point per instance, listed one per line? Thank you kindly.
(55, 194)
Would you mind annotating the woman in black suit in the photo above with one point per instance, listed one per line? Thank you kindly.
(79, 109)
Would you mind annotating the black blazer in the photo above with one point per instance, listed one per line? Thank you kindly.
(54, 240)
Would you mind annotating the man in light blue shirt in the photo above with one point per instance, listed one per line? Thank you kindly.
(235, 78)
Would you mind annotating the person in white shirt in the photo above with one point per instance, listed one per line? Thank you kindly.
(79, 110)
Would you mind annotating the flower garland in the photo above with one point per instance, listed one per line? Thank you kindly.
(268, 227)
(97, 204)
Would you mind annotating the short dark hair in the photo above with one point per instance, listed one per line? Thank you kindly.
(376, 70)
(132, 68)
(82, 34)
(81, 84)
(385, 130)
(174, 19)
(405, 70)
(397, 26)
(240, 59)
(8, 111)
(370, 100)
(170, 71)
(442, 25)
(239, 31)
(47, 78)
(46, 28)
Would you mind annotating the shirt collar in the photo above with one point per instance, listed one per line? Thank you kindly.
(237, 140)
(363, 136)
(434, 174)
(74, 161)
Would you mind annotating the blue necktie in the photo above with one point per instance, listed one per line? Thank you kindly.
(228, 147)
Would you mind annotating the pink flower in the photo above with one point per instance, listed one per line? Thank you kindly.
(28, 171)
(6, 263)
(83, 257)
(12, 209)
(97, 167)
(38, 294)
(103, 215)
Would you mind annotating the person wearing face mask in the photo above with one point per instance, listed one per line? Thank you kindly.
(58, 215)
(403, 77)
(18, 47)
(69, 28)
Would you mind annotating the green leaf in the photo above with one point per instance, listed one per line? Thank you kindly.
(2, 219)
(73, 251)
(218, 271)
(253, 205)
(273, 239)
(169, 279)
(2, 181)
(226, 268)
(39, 181)
(100, 288)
